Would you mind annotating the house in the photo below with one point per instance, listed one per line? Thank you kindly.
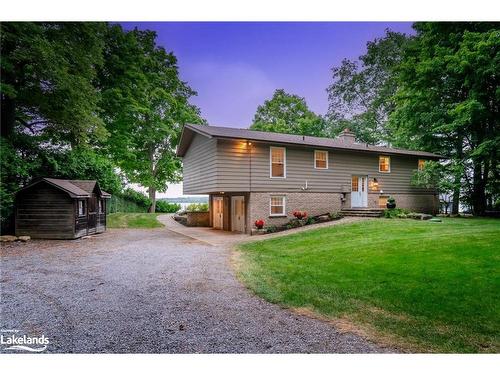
(252, 175)
(60, 209)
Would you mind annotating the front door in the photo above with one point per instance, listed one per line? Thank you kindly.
(238, 214)
(359, 191)
(218, 208)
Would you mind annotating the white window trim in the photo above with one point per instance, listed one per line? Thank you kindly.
(390, 163)
(271, 162)
(284, 205)
(315, 151)
(83, 206)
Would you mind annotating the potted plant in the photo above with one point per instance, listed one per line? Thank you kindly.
(259, 224)
(391, 203)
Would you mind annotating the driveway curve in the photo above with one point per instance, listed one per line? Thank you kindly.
(149, 291)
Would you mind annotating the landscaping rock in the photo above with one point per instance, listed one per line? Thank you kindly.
(7, 238)
(425, 217)
(24, 238)
(323, 218)
(258, 231)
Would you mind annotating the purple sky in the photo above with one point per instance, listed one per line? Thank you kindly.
(235, 66)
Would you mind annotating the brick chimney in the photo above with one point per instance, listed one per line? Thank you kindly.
(347, 136)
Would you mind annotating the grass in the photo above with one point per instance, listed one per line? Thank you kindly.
(422, 286)
(133, 220)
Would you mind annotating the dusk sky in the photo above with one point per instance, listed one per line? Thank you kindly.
(235, 66)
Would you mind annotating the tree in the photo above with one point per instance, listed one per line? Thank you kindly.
(360, 97)
(145, 105)
(47, 73)
(287, 113)
(447, 102)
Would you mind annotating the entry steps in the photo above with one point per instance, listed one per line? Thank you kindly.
(365, 212)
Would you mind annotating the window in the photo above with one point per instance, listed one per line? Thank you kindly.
(384, 164)
(354, 183)
(81, 208)
(421, 163)
(277, 206)
(320, 159)
(278, 162)
(101, 206)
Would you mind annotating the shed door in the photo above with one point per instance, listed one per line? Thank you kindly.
(238, 214)
(92, 220)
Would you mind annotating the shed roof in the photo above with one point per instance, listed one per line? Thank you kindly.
(269, 137)
(75, 188)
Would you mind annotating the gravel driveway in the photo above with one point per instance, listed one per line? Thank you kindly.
(149, 291)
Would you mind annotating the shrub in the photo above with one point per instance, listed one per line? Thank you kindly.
(392, 213)
(197, 207)
(336, 215)
(310, 220)
(164, 206)
(271, 229)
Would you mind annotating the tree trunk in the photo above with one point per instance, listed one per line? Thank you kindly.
(152, 198)
(479, 192)
(457, 183)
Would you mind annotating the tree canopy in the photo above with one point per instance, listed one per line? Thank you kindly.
(287, 113)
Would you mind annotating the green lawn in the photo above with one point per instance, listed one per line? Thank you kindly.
(423, 286)
(133, 220)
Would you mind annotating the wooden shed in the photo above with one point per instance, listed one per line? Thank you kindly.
(60, 209)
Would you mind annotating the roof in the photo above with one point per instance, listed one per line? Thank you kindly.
(293, 139)
(75, 188)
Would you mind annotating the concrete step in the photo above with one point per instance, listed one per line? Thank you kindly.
(363, 212)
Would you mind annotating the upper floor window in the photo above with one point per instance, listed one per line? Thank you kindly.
(278, 162)
(320, 159)
(81, 208)
(421, 164)
(384, 164)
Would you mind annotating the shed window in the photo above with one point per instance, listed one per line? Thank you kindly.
(278, 162)
(277, 205)
(421, 164)
(81, 208)
(101, 206)
(320, 159)
(384, 164)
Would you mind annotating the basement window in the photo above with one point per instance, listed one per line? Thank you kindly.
(277, 205)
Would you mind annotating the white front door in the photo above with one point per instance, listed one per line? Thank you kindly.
(218, 208)
(238, 214)
(359, 191)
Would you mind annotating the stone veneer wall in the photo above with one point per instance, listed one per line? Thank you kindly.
(198, 219)
(313, 203)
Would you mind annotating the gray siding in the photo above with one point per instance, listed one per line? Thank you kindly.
(233, 165)
(212, 165)
(199, 166)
